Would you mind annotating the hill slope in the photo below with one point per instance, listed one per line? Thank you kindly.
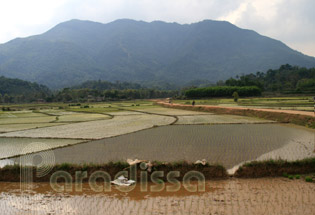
(127, 50)
(16, 90)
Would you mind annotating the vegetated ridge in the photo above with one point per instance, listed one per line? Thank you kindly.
(149, 53)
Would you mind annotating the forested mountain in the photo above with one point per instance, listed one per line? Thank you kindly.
(147, 53)
(106, 85)
(16, 90)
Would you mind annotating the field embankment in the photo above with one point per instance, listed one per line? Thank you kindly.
(12, 173)
(254, 169)
(284, 116)
(274, 168)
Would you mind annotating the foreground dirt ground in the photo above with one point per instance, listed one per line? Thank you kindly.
(233, 196)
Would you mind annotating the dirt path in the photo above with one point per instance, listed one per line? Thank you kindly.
(294, 112)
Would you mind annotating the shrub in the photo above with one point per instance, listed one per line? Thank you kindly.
(235, 96)
(285, 175)
(308, 179)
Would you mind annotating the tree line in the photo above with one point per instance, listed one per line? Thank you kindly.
(90, 95)
(286, 79)
(18, 91)
(222, 91)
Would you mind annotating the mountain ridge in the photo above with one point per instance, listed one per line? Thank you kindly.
(145, 52)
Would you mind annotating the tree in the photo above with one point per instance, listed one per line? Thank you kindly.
(1, 98)
(6, 98)
(235, 96)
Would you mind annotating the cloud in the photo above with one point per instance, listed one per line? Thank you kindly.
(291, 21)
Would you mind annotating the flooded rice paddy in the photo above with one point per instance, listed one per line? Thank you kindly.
(16, 146)
(145, 133)
(228, 145)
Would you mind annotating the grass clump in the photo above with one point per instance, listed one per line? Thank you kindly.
(308, 179)
(273, 168)
(64, 166)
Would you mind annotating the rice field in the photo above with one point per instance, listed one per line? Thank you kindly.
(25, 120)
(56, 112)
(81, 117)
(118, 131)
(93, 123)
(228, 145)
(19, 114)
(96, 129)
(218, 119)
(16, 146)
(168, 111)
(287, 103)
(4, 128)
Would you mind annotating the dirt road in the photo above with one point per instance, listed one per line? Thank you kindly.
(294, 112)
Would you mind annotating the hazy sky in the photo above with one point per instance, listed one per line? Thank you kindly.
(291, 21)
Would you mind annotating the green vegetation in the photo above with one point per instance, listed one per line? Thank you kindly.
(106, 85)
(12, 173)
(276, 168)
(18, 91)
(293, 103)
(286, 79)
(146, 52)
(98, 95)
(225, 91)
(308, 179)
(235, 96)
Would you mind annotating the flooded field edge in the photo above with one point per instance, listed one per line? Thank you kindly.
(255, 169)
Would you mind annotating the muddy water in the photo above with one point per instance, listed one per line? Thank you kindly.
(233, 196)
(228, 145)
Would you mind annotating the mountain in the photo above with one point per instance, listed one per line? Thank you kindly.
(16, 90)
(148, 53)
(106, 85)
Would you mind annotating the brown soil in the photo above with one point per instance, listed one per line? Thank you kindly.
(235, 196)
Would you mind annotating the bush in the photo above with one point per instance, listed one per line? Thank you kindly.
(285, 175)
(6, 109)
(235, 96)
(308, 179)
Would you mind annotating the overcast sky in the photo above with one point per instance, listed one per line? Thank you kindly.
(291, 21)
